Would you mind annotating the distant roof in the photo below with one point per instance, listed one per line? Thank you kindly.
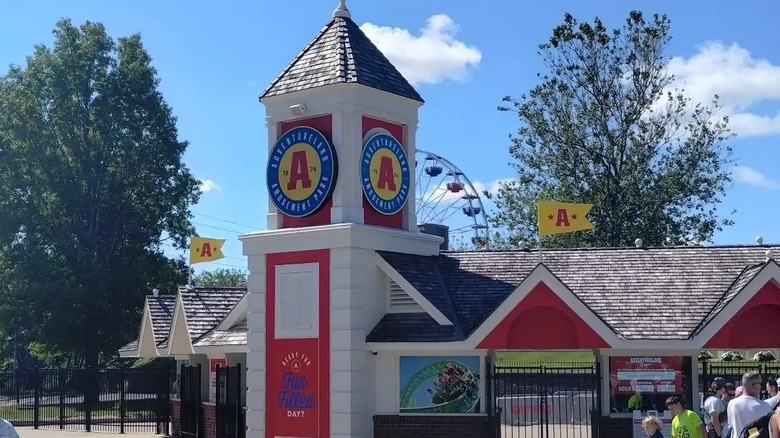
(161, 313)
(206, 307)
(235, 335)
(341, 53)
(630, 289)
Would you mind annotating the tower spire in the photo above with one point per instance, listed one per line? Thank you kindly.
(342, 11)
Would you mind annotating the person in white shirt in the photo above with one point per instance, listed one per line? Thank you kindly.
(774, 396)
(747, 408)
(7, 429)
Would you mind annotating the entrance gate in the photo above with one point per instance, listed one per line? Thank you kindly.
(190, 390)
(552, 400)
(229, 409)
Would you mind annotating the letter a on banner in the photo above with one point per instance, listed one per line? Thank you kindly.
(562, 217)
(205, 250)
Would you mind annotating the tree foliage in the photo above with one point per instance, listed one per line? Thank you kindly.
(92, 184)
(220, 277)
(606, 125)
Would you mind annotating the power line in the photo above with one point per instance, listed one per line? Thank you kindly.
(218, 228)
(254, 227)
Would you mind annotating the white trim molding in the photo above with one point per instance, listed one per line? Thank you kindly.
(394, 275)
(344, 235)
(541, 274)
(237, 313)
(179, 330)
(147, 342)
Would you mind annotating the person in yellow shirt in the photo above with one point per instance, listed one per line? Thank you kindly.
(686, 423)
(635, 402)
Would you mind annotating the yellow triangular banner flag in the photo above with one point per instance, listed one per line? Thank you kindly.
(203, 249)
(562, 217)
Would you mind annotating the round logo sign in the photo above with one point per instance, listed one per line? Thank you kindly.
(301, 172)
(384, 171)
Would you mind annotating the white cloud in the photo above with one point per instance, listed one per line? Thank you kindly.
(430, 57)
(207, 185)
(741, 81)
(746, 175)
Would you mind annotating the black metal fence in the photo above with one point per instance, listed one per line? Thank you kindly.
(230, 415)
(733, 371)
(190, 393)
(546, 401)
(92, 399)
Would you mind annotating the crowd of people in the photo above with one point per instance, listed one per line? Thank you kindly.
(727, 412)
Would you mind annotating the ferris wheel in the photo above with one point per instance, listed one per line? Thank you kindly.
(446, 197)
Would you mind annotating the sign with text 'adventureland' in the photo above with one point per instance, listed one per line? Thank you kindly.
(384, 173)
(301, 172)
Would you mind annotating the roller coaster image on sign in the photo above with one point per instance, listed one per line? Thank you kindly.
(440, 384)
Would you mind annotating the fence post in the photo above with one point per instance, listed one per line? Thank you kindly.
(37, 398)
(122, 394)
(61, 384)
(167, 379)
(87, 393)
(240, 417)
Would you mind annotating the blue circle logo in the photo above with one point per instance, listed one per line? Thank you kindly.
(384, 172)
(301, 172)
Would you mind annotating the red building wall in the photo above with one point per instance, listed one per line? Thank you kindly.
(277, 422)
(543, 321)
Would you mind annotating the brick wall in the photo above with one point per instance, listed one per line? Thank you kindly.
(175, 418)
(394, 426)
(208, 413)
(209, 420)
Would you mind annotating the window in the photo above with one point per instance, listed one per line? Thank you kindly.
(645, 382)
(297, 301)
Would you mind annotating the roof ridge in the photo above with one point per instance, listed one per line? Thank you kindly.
(303, 52)
(617, 248)
(448, 299)
(701, 324)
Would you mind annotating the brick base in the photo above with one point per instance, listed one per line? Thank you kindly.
(175, 418)
(394, 426)
(209, 412)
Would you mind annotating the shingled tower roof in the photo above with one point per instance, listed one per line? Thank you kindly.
(341, 54)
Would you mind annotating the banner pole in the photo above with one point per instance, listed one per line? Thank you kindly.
(188, 254)
(539, 236)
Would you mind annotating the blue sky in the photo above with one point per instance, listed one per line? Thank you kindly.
(214, 59)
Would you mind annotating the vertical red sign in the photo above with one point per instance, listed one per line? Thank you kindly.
(293, 386)
(214, 362)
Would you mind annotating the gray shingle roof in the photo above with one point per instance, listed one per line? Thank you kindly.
(236, 335)
(341, 53)
(748, 274)
(422, 274)
(412, 327)
(130, 346)
(633, 290)
(206, 307)
(161, 313)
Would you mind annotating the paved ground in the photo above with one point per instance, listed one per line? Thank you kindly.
(25, 432)
(556, 431)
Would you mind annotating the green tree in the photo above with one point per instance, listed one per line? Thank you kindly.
(607, 126)
(92, 184)
(220, 277)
